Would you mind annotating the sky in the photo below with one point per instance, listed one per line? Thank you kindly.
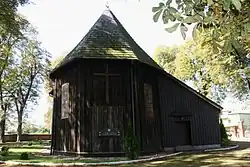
(61, 24)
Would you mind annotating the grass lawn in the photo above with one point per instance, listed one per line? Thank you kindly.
(229, 159)
(35, 157)
(234, 158)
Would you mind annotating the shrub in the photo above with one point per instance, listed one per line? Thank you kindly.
(131, 143)
(24, 156)
(39, 141)
(5, 148)
(225, 141)
(30, 144)
(4, 151)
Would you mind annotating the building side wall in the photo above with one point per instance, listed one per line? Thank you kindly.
(147, 112)
(204, 118)
(64, 129)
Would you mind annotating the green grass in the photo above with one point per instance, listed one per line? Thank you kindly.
(15, 156)
(29, 150)
(35, 157)
(233, 158)
(198, 160)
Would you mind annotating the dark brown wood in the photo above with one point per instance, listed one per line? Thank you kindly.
(78, 108)
(107, 76)
(106, 94)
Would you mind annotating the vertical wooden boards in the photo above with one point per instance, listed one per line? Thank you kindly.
(204, 123)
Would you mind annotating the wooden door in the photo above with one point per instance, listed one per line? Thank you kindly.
(108, 112)
(183, 133)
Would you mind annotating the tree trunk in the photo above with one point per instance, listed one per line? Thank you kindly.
(2, 124)
(19, 128)
(2, 129)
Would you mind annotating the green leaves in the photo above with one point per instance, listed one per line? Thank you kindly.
(157, 15)
(173, 28)
(183, 29)
(210, 2)
(168, 2)
(226, 4)
(190, 19)
(158, 11)
(237, 4)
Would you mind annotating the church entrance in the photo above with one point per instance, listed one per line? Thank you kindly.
(108, 111)
(183, 131)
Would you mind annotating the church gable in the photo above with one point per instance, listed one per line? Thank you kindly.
(108, 39)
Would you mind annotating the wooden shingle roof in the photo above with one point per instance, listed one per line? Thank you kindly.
(108, 39)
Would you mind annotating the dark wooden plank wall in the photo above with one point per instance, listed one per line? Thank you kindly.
(65, 129)
(148, 117)
(204, 119)
(90, 113)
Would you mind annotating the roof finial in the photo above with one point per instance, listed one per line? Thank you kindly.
(107, 4)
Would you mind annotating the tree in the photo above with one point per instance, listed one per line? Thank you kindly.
(211, 74)
(30, 72)
(9, 45)
(9, 18)
(218, 15)
(225, 26)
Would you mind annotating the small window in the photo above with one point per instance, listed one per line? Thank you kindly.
(65, 101)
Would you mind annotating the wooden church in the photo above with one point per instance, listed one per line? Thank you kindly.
(106, 81)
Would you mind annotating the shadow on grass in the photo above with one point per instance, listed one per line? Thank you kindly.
(233, 158)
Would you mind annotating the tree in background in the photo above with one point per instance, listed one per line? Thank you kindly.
(9, 18)
(10, 44)
(211, 74)
(222, 30)
(31, 69)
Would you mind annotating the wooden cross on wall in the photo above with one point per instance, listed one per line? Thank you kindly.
(107, 75)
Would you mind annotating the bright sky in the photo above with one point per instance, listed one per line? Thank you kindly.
(63, 23)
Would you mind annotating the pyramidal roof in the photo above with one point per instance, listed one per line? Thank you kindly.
(108, 39)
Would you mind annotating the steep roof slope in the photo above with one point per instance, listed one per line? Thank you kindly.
(108, 39)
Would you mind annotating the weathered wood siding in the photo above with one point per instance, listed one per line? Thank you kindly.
(96, 113)
(64, 130)
(163, 113)
(148, 108)
(201, 115)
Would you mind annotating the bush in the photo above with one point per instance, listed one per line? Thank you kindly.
(4, 151)
(131, 143)
(24, 156)
(5, 148)
(225, 141)
(30, 144)
(39, 141)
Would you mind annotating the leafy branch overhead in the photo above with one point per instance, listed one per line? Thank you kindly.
(202, 13)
